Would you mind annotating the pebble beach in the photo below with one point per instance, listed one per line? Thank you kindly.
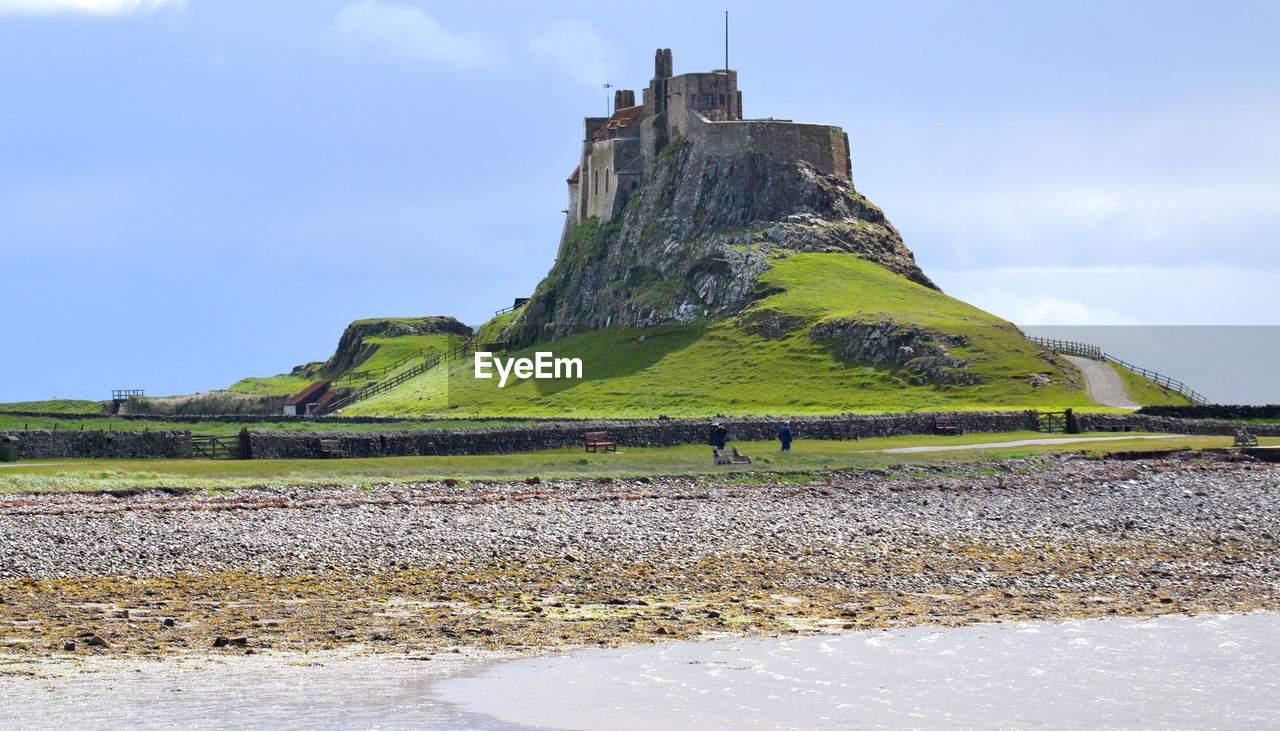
(417, 570)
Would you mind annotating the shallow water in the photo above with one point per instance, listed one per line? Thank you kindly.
(1210, 671)
(264, 691)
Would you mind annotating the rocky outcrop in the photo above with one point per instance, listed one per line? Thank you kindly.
(920, 352)
(694, 238)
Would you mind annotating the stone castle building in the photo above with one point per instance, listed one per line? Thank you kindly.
(705, 109)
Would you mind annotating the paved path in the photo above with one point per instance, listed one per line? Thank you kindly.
(1105, 385)
(1018, 443)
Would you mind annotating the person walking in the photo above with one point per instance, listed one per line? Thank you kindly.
(784, 436)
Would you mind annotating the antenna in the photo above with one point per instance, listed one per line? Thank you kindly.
(608, 107)
(726, 40)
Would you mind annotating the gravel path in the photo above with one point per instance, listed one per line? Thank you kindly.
(1105, 385)
(604, 561)
(1017, 443)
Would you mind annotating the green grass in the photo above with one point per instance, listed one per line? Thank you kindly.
(1146, 391)
(283, 384)
(770, 465)
(729, 367)
(60, 406)
(495, 329)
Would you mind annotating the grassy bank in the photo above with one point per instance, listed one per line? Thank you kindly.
(1148, 392)
(770, 466)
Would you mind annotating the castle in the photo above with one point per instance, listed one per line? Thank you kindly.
(705, 109)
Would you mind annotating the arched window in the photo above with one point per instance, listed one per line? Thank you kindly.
(606, 180)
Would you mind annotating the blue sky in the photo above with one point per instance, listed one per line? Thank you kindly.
(192, 192)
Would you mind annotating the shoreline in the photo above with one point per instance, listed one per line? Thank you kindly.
(530, 568)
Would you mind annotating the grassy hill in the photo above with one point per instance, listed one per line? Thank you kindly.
(768, 359)
(380, 354)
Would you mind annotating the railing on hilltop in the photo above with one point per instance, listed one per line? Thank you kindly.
(520, 302)
(354, 377)
(1070, 347)
(398, 377)
(1085, 350)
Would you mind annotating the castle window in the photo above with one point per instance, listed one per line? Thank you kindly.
(606, 180)
(722, 100)
(595, 182)
(708, 99)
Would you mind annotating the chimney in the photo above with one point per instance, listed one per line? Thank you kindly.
(623, 98)
(662, 65)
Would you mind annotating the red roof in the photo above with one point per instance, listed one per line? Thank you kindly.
(577, 175)
(618, 123)
(308, 394)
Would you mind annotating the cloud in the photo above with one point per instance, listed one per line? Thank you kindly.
(406, 34)
(91, 7)
(577, 49)
(1140, 295)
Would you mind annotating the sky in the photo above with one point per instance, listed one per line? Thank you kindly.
(196, 191)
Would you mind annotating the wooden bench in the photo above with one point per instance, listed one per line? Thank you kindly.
(1245, 439)
(594, 441)
(332, 448)
(946, 425)
(729, 456)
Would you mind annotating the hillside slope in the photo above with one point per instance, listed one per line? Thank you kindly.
(366, 349)
(825, 335)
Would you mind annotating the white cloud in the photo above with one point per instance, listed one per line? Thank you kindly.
(91, 7)
(406, 34)
(577, 49)
(1143, 295)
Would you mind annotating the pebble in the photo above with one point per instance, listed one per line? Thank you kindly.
(875, 515)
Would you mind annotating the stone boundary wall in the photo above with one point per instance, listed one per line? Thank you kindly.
(1214, 411)
(96, 444)
(1143, 422)
(628, 433)
(281, 418)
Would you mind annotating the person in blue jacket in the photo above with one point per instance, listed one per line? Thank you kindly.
(784, 436)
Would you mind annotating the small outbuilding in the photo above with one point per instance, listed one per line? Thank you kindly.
(309, 400)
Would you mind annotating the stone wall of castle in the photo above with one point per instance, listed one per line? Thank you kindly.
(824, 146)
(612, 170)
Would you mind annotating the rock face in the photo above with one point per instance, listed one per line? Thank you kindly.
(919, 351)
(693, 239)
(353, 350)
